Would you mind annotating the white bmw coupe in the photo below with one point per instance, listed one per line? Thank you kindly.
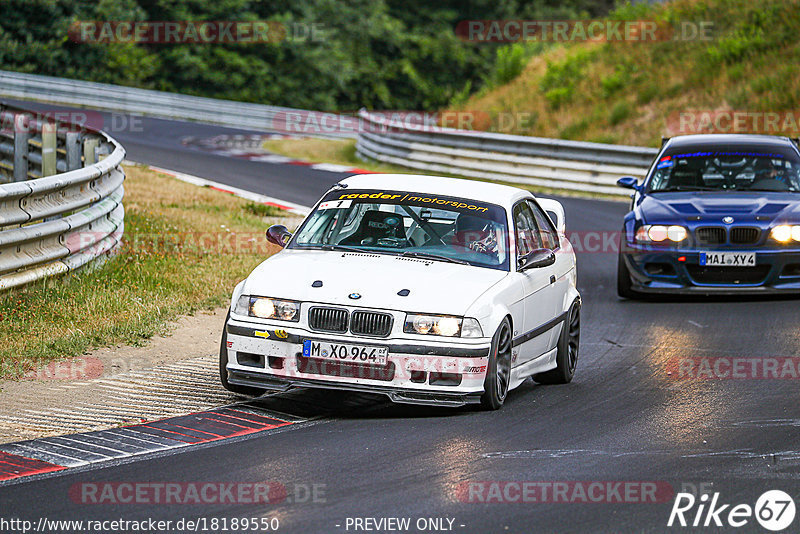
(429, 290)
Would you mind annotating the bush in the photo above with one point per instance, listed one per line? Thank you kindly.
(615, 81)
(559, 82)
(647, 93)
(509, 64)
(559, 96)
(574, 130)
(620, 112)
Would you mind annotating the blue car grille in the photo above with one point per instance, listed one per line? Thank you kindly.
(711, 235)
(745, 235)
(719, 235)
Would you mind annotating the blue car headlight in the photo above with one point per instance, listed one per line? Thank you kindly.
(785, 233)
(659, 233)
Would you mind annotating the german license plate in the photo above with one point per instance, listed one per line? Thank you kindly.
(728, 259)
(345, 352)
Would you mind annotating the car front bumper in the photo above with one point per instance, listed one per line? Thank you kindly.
(437, 372)
(661, 271)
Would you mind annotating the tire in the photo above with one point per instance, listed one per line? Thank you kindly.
(568, 348)
(624, 280)
(223, 371)
(498, 375)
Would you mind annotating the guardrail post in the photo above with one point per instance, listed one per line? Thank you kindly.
(49, 141)
(73, 149)
(90, 152)
(21, 137)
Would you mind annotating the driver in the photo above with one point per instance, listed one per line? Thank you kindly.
(766, 170)
(476, 234)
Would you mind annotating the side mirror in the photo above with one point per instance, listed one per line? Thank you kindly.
(541, 257)
(628, 182)
(278, 234)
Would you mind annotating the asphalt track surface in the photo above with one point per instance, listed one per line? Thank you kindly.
(623, 418)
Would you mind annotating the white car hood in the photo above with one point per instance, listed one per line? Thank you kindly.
(434, 286)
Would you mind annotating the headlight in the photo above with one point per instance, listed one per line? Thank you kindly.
(657, 233)
(442, 325)
(267, 308)
(785, 233)
(263, 308)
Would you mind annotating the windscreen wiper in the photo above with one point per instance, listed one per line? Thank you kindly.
(437, 257)
(346, 248)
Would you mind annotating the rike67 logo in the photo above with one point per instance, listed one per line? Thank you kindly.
(774, 510)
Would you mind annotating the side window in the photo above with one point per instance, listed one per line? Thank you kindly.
(526, 231)
(547, 231)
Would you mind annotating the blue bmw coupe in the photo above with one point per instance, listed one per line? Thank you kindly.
(716, 214)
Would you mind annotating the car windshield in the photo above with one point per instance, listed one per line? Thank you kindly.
(411, 224)
(726, 169)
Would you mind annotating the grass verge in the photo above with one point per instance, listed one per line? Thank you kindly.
(338, 151)
(185, 248)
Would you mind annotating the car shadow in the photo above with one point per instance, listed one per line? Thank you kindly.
(659, 298)
(385, 409)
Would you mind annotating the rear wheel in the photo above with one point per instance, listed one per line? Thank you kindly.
(498, 375)
(223, 368)
(567, 353)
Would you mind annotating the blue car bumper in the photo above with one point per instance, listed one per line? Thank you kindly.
(679, 271)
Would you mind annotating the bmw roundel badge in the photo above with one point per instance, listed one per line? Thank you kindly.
(354, 296)
(727, 220)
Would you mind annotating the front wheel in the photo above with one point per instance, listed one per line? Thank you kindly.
(498, 375)
(223, 367)
(624, 285)
(567, 353)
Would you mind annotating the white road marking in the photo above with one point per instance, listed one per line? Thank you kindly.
(332, 167)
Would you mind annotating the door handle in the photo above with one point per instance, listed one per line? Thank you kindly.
(552, 279)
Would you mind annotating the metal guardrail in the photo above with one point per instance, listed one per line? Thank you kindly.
(553, 163)
(120, 99)
(60, 196)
